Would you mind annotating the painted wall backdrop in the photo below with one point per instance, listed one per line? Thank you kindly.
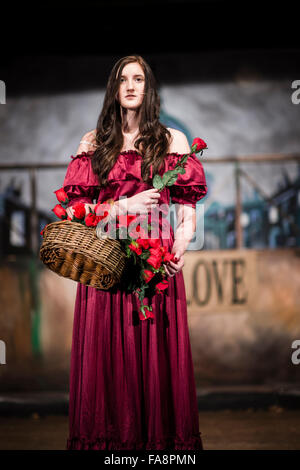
(243, 305)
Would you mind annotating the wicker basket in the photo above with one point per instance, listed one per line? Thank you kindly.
(73, 250)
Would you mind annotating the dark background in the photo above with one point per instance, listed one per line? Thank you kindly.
(53, 46)
(151, 25)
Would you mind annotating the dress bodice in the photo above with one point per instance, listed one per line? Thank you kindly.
(124, 179)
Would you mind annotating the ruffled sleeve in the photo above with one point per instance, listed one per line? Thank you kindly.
(80, 183)
(190, 187)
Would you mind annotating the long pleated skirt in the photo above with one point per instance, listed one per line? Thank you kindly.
(132, 382)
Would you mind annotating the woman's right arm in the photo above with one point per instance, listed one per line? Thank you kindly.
(140, 203)
(86, 144)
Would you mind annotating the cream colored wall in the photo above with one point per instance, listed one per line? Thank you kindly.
(243, 332)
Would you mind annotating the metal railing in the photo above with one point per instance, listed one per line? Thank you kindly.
(32, 168)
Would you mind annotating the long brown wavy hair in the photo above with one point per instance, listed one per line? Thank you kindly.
(155, 137)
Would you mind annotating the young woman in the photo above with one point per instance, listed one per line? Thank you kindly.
(131, 381)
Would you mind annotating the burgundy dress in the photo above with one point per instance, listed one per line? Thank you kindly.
(132, 381)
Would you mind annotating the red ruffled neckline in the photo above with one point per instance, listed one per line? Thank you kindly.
(134, 151)
(125, 152)
(83, 154)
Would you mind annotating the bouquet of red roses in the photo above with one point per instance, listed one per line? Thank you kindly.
(146, 275)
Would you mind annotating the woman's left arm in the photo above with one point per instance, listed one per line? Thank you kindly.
(186, 226)
(186, 215)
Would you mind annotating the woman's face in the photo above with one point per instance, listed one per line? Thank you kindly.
(132, 82)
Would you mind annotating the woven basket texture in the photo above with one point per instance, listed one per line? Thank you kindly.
(73, 250)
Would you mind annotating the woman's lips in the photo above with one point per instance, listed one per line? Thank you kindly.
(130, 96)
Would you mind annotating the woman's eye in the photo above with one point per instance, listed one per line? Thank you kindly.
(139, 78)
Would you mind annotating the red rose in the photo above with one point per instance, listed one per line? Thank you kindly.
(161, 286)
(136, 248)
(149, 314)
(61, 195)
(91, 220)
(154, 242)
(155, 252)
(130, 218)
(168, 257)
(200, 144)
(79, 210)
(148, 275)
(126, 219)
(59, 211)
(163, 250)
(154, 261)
(100, 217)
(143, 242)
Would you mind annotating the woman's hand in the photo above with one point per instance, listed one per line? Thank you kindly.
(141, 203)
(174, 267)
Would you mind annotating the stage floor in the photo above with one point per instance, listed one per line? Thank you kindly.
(275, 428)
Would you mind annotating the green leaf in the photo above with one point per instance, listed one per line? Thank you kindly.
(172, 180)
(128, 251)
(157, 182)
(168, 175)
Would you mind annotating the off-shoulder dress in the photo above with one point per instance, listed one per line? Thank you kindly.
(132, 382)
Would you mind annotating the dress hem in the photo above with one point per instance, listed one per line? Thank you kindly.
(83, 443)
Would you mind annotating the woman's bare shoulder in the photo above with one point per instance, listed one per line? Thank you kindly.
(179, 142)
(87, 142)
(90, 135)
